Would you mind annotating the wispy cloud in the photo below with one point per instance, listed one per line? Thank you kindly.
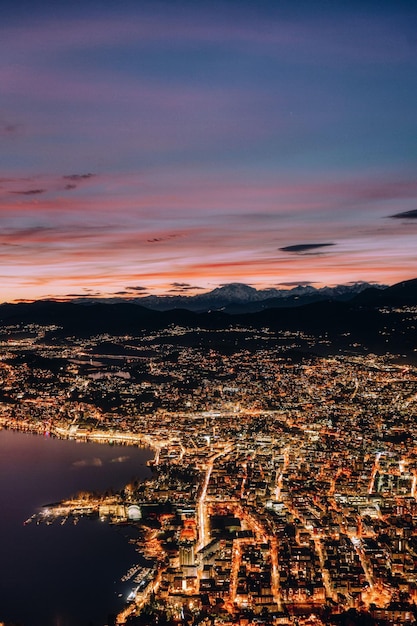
(302, 248)
(183, 288)
(138, 288)
(29, 192)
(79, 295)
(407, 215)
(296, 283)
(78, 177)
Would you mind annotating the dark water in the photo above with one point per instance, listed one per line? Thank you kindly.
(61, 575)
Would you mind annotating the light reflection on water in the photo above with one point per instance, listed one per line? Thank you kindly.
(62, 575)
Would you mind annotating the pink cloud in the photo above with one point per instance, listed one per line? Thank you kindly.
(171, 225)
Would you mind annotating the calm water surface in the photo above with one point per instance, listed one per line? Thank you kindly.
(61, 575)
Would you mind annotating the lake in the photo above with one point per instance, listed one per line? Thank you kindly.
(61, 575)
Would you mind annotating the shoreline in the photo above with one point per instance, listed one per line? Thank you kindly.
(28, 488)
(100, 437)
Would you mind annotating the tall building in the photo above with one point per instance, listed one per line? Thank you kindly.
(186, 552)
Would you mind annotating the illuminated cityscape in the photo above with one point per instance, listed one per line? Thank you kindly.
(208, 313)
(284, 483)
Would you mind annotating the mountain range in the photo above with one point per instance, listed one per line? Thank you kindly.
(374, 320)
(241, 298)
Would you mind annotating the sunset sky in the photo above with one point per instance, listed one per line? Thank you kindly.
(171, 147)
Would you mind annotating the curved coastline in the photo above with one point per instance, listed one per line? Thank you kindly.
(123, 438)
(42, 472)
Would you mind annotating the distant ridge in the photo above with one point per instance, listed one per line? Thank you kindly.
(400, 294)
(242, 298)
(374, 320)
